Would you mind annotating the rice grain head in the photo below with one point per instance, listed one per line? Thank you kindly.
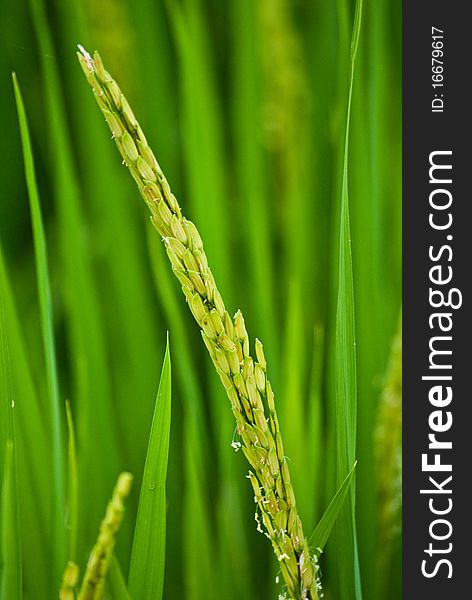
(70, 579)
(244, 379)
(99, 561)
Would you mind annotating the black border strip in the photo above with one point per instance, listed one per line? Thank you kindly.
(424, 132)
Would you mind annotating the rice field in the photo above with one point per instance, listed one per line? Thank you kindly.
(123, 471)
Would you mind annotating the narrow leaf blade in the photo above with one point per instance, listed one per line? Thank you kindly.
(10, 554)
(10, 584)
(146, 578)
(116, 581)
(346, 364)
(321, 534)
(47, 328)
(32, 444)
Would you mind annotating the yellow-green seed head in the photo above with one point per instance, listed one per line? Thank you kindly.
(177, 247)
(201, 260)
(218, 302)
(270, 397)
(152, 193)
(252, 391)
(129, 147)
(190, 261)
(261, 437)
(164, 212)
(198, 283)
(208, 328)
(233, 361)
(177, 229)
(250, 457)
(273, 461)
(279, 446)
(227, 344)
(260, 354)
(222, 361)
(208, 343)
(240, 385)
(217, 322)
(229, 327)
(209, 285)
(255, 486)
(128, 113)
(239, 326)
(182, 277)
(260, 419)
(114, 92)
(259, 376)
(233, 398)
(113, 123)
(123, 487)
(177, 264)
(194, 235)
(145, 170)
(71, 574)
(99, 68)
(197, 308)
(225, 378)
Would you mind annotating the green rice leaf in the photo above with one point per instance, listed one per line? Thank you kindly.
(346, 368)
(146, 577)
(6, 433)
(321, 534)
(116, 581)
(47, 329)
(96, 430)
(10, 555)
(32, 443)
(10, 581)
(376, 209)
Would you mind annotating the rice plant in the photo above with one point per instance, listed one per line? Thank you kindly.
(277, 124)
(227, 341)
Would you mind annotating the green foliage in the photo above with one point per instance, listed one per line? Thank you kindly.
(146, 576)
(245, 105)
(47, 333)
(345, 368)
(11, 581)
(116, 582)
(11, 585)
(320, 536)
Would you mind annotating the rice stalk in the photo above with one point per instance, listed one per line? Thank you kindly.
(98, 564)
(245, 379)
(69, 581)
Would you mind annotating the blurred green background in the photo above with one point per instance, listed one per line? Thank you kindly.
(244, 104)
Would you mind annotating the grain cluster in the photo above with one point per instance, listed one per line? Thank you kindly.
(243, 376)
